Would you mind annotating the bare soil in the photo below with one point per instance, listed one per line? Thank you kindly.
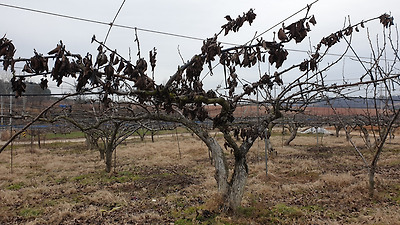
(64, 183)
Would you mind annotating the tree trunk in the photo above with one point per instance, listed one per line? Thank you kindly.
(365, 136)
(142, 136)
(108, 158)
(38, 139)
(91, 142)
(348, 131)
(337, 129)
(102, 153)
(220, 164)
(371, 180)
(237, 185)
(293, 133)
(268, 146)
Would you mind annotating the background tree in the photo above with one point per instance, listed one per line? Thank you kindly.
(112, 125)
(380, 115)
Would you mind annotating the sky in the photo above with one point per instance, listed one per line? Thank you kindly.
(201, 19)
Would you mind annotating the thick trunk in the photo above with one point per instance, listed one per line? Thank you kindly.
(220, 164)
(237, 184)
(217, 156)
(293, 132)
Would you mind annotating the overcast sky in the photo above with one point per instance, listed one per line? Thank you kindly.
(200, 19)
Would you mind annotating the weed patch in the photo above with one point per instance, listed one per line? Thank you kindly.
(283, 210)
(29, 212)
(16, 186)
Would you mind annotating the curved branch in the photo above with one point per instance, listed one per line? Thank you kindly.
(35, 119)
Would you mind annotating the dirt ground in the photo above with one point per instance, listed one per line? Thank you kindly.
(167, 182)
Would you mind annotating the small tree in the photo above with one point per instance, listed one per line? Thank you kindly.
(111, 126)
(380, 114)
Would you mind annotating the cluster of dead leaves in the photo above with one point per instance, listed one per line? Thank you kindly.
(297, 31)
(232, 80)
(235, 24)
(277, 56)
(105, 71)
(135, 73)
(18, 86)
(211, 48)
(193, 71)
(247, 56)
(195, 111)
(37, 64)
(386, 20)
(188, 82)
(245, 133)
(118, 72)
(63, 66)
(7, 51)
(310, 64)
(334, 38)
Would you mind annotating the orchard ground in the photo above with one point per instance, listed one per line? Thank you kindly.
(171, 182)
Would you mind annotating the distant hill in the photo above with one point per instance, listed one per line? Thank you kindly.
(355, 102)
(31, 88)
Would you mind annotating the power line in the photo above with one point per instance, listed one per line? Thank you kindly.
(102, 23)
(166, 33)
(138, 28)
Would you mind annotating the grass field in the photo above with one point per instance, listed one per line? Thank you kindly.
(64, 183)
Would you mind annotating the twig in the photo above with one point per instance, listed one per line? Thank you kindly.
(137, 41)
(180, 55)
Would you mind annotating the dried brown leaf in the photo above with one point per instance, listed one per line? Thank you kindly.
(281, 35)
(312, 20)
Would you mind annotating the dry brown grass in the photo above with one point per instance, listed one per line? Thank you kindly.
(307, 184)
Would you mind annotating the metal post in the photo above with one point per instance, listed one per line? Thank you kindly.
(23, 105)
(2, 112)
(11, 102)
(266, 150)
(11, 146)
